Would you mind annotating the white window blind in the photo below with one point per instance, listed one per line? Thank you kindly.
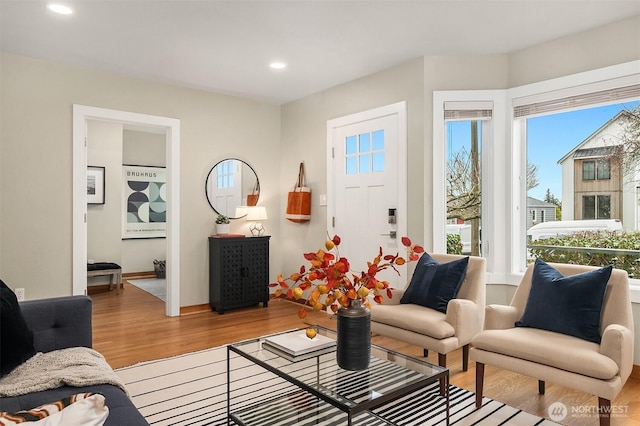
(613, 95)
(476, 110)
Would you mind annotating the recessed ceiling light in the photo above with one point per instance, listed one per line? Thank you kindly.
(60, 8)
(278, 65)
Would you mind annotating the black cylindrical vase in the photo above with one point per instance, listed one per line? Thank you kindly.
(353, 349)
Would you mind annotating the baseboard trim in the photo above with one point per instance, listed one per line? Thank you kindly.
(133, 275)
(635, 372)
(194, 309)
(101, 288)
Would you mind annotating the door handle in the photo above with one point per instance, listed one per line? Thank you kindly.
(391, 234)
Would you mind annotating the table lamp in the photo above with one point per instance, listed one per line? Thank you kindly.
(255, 215)
(241, 211)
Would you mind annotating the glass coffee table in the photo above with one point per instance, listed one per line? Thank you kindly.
(265, 386)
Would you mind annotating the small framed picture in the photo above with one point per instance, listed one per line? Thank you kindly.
(95, 185)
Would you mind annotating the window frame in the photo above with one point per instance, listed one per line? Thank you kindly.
(504, 207)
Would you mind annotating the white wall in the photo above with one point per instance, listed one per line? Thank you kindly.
(36, 164)
(142, 149)
(104, 143)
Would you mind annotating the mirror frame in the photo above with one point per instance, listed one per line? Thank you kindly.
(206, 183)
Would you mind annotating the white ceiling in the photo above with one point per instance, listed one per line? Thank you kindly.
(226, 46)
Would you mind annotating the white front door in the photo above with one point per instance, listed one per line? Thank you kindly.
(226, 187)
(367, 186)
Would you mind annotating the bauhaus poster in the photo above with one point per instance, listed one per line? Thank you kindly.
(145, 202)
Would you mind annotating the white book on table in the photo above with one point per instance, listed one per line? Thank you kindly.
(297, 343)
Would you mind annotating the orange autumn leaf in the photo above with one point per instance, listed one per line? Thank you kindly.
(295, 276)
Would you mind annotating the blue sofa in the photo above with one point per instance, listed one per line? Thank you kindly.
(65, 322)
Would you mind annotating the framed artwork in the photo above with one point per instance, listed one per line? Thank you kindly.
(95, 185)
(145, 202)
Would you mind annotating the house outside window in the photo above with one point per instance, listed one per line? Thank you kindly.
(596, 207)
(599, 169)
(603, 169)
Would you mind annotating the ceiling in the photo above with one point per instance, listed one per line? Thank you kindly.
(226, 46)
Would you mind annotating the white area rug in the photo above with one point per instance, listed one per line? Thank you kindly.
(191, 389)
(155, 286)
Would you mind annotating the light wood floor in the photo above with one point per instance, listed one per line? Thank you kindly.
(132, 327)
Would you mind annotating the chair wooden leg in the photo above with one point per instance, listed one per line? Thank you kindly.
(479, 383)
(604, 411)
(465, 357)
(425, 352)
(541, 387)
(442, 362)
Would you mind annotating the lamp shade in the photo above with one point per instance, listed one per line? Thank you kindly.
(256, 213)
(241, 211)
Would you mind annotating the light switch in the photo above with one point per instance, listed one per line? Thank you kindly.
(323, 199)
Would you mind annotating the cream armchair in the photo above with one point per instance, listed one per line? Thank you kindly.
(599, 369)
(431, 329)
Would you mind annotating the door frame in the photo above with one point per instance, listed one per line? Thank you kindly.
(81, 114)
(398, 109)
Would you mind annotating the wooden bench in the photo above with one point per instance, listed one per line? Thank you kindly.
(106, 268)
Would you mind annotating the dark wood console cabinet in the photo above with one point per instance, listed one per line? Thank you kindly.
(238, 272)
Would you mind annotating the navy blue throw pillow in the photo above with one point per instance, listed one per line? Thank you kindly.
(16, 345)
(568, 305)
(433, 284)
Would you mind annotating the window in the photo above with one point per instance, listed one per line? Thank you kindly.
(364, 153)
(505, 156)
(588, 170)
(596, 207)
(596, 169)
(603, 169)
(464, 181)
(557, 143)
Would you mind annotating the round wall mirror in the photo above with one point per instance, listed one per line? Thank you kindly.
(230, 184)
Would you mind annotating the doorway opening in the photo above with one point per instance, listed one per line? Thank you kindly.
(171, 129)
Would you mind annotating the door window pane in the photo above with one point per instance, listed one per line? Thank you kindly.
(365, 142)
(351, 166)
(351, 145)
(378, 140)
(365, 163)
(378, 161)
(364, 153)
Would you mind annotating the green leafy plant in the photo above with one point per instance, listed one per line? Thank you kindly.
(222, 219)
(592, 248)
(454, 244)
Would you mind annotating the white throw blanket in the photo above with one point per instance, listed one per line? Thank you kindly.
(72, 367)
